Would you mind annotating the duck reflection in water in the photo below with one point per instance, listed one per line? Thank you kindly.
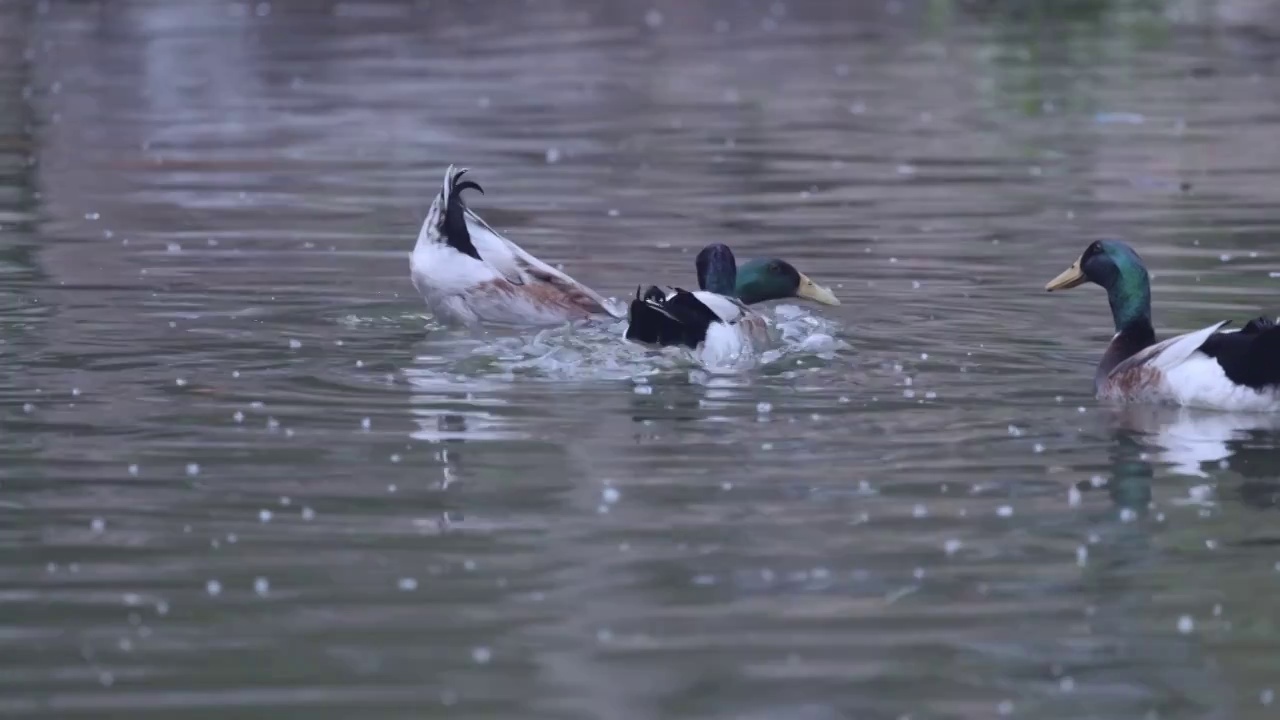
(1214, 446)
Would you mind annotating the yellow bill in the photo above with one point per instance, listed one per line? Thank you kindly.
(811, 290)
(1068, 278)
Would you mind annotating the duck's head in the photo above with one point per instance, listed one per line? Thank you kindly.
(1105, 262)
(775, 279)
(1117, 268)
(757, 280)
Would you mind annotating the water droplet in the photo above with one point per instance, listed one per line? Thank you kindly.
(613, 212)
(764, 408)
(261, 586)
(193, 469)
(553, 155)
(1004, 511)
(1128, 515)
(180, 382)
(407, 584)
(1186, 624)
(294, 344)
(213, 587)
(1005, 707)
(643, 390)
(366, 423)
(1067, 684)
(919, 511)
(1082, 555)
(173, 247)
(1073, 496)
(481, 655)
(951, 547)
(653, 19)
(611, 495)
(264, 515)
(1267, 696)
(238, 416)
(98, 525)
(308, 513)
(28, 408)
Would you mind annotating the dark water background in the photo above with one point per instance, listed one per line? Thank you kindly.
(242, 475)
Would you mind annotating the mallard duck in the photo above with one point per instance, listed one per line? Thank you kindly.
(469, 274)
(1209, 368)
(715, 320)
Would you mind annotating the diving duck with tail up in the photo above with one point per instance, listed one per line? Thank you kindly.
(469, 274)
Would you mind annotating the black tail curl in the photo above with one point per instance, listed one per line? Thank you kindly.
(454, 227)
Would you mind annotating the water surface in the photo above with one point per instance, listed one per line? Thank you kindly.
(242, 473)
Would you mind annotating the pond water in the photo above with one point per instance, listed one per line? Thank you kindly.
(243, 474)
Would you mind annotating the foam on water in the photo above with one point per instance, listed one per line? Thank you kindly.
(599, 351)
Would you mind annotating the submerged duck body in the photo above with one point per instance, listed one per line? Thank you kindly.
(714, 321)
(1213, 368)
(470, 274)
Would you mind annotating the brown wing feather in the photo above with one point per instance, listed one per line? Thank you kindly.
(569, 294)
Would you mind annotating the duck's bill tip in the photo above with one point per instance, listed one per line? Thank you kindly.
(1069, 278)
(811, 290)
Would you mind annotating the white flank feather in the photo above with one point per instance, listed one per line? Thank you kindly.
(726, 346)
(725, 308)
(1200, 382)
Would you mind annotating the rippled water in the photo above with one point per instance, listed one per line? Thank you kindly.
(242, 474)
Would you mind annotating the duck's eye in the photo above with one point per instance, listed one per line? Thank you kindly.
(775, 267)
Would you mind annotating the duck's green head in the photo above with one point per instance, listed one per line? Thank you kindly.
(1118, 269)
(773, 279)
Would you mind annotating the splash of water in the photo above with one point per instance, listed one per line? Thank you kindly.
(599, 351)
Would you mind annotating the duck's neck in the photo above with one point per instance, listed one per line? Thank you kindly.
(1130, 300)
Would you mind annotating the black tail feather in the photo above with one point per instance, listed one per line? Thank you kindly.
(1250, 357)
(681, 320)
(454, 227)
